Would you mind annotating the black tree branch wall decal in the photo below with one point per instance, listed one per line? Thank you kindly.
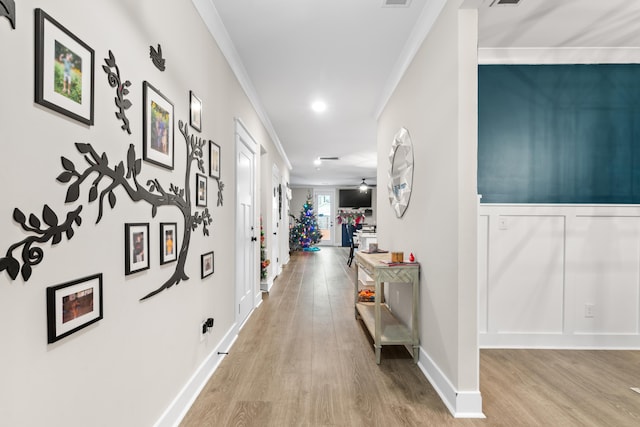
(122, 89)
(104, 179)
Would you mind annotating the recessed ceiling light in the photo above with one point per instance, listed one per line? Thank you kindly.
(317, 162)
(319, 106)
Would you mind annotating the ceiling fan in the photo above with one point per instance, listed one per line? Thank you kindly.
(363, 186)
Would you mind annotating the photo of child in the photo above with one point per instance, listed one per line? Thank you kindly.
(77, 304)
(159, 128)
(67, 73)
(138, 247)
(168, 242)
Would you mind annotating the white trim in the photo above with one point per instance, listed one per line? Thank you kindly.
(571, 55)
(461, 404)
(242, 130)
(175, 413)
(576, 341)
(419, 33)
(212, 20)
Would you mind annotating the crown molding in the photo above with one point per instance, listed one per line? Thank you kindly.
(559, 55)
(419, 33)
(212, 20)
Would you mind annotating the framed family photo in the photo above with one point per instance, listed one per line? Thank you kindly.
(168, 242)
(72, 306)
(158, 127)
(195, 112)
(136, 249)
(201, 190)
(64, 70)
(214, 160)
(206, 265)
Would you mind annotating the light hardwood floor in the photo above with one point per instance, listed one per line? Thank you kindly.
(303, 360)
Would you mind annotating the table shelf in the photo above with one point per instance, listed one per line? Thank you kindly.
(373, 271)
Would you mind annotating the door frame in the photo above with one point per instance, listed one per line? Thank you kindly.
(243, 137)
(275, 224)
(332, 192)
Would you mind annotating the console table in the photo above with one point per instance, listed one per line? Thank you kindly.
(383, 326)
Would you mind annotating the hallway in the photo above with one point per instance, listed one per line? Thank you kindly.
(303, 360)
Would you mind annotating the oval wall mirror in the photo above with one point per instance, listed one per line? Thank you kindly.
(400, 172)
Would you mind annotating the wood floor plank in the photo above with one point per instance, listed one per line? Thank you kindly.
(302, 359)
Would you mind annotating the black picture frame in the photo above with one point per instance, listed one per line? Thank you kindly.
(206, 264)
(158, 127)
(201, 190)
(168, 242)
(214, 160)
(73, 305)
(195, 111)
(136, 247)
(64, 70)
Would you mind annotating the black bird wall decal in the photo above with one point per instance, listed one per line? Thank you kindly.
(8, 9)
(156, 57)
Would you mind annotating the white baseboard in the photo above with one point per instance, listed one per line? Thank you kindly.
(176, 411)
(574, 341)
(461, 404)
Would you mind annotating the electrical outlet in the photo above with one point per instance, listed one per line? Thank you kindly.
(589, 310)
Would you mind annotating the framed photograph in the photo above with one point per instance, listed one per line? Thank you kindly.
(206, 264)
(214, 160)
(158, 126)
(136, 249)
(195, 112)
(201, 190)
(72, 306)
(168, 242)
(64, 70)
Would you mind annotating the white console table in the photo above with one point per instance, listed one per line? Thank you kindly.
(383, 326)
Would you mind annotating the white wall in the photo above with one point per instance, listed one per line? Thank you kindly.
(127, 368)
(436, 101)
(542, 264)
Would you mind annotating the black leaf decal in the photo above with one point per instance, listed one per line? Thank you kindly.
(70, 233)
(57, 238)
(65, 177)
(73, 193)
(68, 164)
(93, 193)
(112, 199)
(26, 271)
(34, 221)
(83, 148)
(18, 216)
(50, 218)
(11, 265)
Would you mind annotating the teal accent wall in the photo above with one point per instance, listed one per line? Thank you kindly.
(559, 133)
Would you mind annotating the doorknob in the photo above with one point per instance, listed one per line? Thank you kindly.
(274, 233)
(254, 238)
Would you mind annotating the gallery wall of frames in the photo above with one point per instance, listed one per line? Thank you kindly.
(116, 231)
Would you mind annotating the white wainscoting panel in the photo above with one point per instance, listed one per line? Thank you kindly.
(559, 276)
(603, 272)
(526, 259)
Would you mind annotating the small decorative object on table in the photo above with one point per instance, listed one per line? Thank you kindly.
(411, 257)
(397, 257)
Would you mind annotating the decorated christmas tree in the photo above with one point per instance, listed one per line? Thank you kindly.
(305, 233)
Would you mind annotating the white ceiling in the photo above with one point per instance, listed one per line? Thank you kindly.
(350, 52)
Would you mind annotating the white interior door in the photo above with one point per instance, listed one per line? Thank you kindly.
(246, 233)
(275, 222)
(324, 208)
